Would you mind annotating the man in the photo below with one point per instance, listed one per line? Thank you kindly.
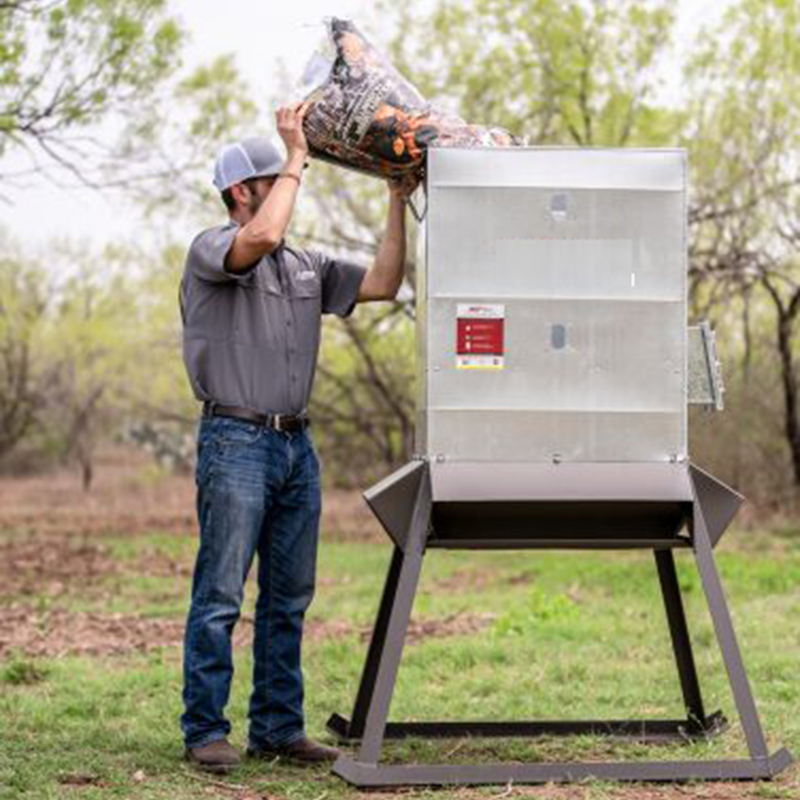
(252, 309)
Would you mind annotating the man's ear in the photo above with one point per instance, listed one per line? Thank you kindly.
(240, 193)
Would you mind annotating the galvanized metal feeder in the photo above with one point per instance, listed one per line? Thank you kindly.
(555, 369)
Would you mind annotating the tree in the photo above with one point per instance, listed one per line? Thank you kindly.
(85, 87)
(581, 72)
(745, 137)
(362, 403)
(26, 377)
(67, 65)
(159, 391)
(96, 339)
(87, 354)
(209, 107)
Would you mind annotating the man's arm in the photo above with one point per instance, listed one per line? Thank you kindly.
(383, 280)
(265, 231)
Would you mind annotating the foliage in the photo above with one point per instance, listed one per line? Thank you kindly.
(103, 327)
(66, 65)
(362, 403)
(21, 671)
(575, 72)
(220, 99)
(209, 107)
(26, 377)
(538, 609)
(161, 390)
(74, 371)
(94, 341)
(744, 138)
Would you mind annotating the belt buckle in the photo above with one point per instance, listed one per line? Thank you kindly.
(276, 422)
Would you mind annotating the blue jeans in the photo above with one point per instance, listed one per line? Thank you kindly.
(258, 491)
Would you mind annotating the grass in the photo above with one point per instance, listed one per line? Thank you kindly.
(564, 635)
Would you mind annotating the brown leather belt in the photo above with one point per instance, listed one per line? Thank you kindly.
(280, 422)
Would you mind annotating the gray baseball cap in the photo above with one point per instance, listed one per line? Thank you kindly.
(256, 157)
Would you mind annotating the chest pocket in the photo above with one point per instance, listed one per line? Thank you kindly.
(268, 280)
(254, 314)
(305, 284)
(305, 299)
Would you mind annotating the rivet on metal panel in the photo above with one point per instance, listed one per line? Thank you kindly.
(559, 206)
(558, 336)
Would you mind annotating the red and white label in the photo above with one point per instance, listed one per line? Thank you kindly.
(479, 336)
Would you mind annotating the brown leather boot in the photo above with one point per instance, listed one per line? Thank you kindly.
(303, 751)
(218, 756)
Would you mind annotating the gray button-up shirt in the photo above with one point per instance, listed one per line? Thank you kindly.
(251, 338)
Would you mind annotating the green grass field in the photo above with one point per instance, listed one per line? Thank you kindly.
(90, 664)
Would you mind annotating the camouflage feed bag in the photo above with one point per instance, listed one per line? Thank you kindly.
(366, 116)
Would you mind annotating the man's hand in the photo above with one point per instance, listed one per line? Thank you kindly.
(264, 232)
(290, 128)
(403, 188)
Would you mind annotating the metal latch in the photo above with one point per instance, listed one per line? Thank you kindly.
(705, 374)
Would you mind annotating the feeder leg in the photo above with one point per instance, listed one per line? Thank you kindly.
(383, 672)
(681, 643)
(726, 636)
(366, 688)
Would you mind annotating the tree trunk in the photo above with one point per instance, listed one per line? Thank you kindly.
(789, 381)
(87, 474)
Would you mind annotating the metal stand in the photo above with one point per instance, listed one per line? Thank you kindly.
(431, 506)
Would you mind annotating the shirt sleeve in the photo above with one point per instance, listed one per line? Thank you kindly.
(341, 281)
(208, 252)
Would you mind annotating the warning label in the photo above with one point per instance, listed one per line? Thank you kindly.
(479, 336)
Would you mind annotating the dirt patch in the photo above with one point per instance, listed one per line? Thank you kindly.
(36, 565)
(470, 580)
(454, 625)
(130, 495)
(59, 632)
(80, 780)
(695, 791)
(346, 517)
(465, 580)
(59, 566)
(51, 566)
(158, 564)
(78, 523)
